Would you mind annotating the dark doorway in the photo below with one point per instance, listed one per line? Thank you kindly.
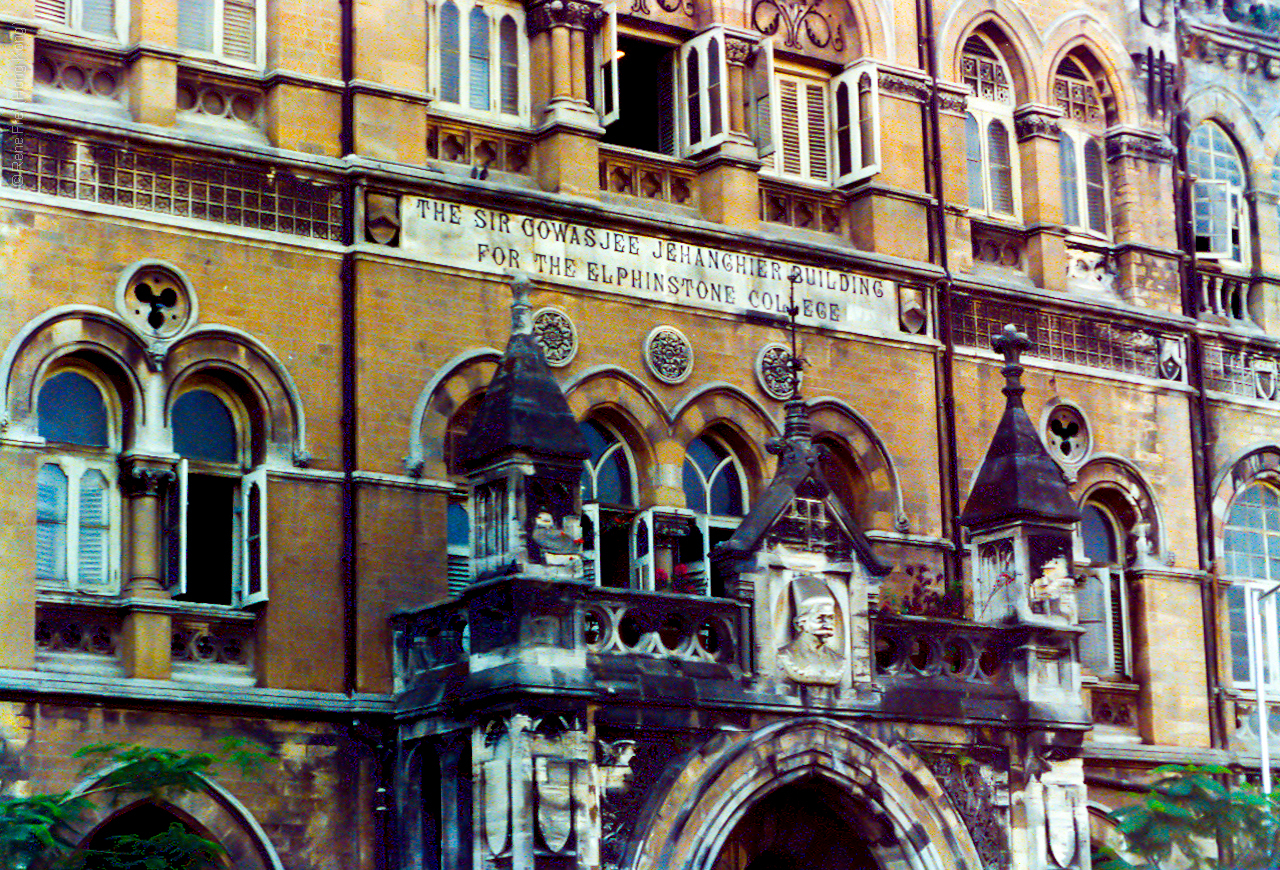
(799, 827)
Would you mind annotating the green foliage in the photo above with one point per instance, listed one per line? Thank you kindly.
(33, 829)
(1190, 811)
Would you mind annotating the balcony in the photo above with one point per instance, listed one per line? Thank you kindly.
(647, 176)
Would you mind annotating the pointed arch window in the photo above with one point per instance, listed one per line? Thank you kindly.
(1251, 549)
(216, 515)
(716, 491)
(478, 63)
(1220, 214)
(992, 172)
(77, 505)
(1084, 187)
(609, 525)
(1103, 600)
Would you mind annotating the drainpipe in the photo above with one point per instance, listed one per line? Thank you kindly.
(944, 369)
(348, 357)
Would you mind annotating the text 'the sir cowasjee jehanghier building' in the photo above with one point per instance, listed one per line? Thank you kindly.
(410, 388)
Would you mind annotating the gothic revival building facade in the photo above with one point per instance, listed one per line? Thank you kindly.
(592, 579)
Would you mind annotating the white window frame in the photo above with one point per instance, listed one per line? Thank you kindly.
(1078, 138)
(710, 107)
(707, 521)
(72, 18)
(217, 38)
(807, 92)
(850, 77)
(75, 468)
(591, 507)
(495, 12)
(985, 117)
(1228, 210)
(605, 53)
(1252, 587)
(241, 571)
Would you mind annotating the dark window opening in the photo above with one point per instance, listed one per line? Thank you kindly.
(70, 409)
(646, 118)
(211, 509)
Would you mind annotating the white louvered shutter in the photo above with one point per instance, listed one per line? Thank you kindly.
(1070, 180)
(239, 30)
(195, 24)
(53, 11)
(51, 523)
(1095, 643)
(789, 131)
(606, 62)
(816, 131)
(252, 580)
(478, 55)
(175, 531)
(98, 17)
(93, 526)
(763, 99)
(999, 168)
(450, 53)
(1094, 188)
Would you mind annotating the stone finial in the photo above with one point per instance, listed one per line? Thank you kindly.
(1010, 344)
(521, 310)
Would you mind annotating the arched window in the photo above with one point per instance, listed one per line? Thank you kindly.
(77, 508)
(1220, 213)
(1251, 549)
(992, 172)
(148, 834)
(715, 490)
(608, 507)
(1084, 202)
(216, 515)
(478, 67)
(1103, 599)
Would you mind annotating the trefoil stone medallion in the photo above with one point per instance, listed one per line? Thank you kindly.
(668, 355)
(155, 299)
(1067, 436)
(556, 335)
(774, 371)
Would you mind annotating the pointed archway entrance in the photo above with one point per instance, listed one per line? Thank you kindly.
(809, 825)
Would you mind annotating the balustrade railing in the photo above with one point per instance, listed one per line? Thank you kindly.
(480, 147)
(800, 208)
(647, 177)
(915, 648)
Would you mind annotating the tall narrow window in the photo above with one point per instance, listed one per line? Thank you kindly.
(1219, 208)
(1104, 648)
(478, 57)
(225, 28)
(867, 134)
(75, 489)
(608, 506)
(991, 172)
(1084, 188)
(644, 116)
(1251, 548)
(509, 57)
(715, 489)
(459, 548)
(450, 53)
(802, 128)
(694, 96)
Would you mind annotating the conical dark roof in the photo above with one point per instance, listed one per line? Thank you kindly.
(524, 409)
(1018, 479)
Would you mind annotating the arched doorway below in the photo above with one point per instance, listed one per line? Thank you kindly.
(806, 826)
(139, 832)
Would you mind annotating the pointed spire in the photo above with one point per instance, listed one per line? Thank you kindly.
(1018, 479)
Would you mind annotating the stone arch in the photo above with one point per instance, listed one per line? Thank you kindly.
(260, 380)
(1124, 490)
(453, 383)
(686, 824)
(746, 424)
(1083, 35)
(621, 400)
(869, 20)
(831, 416)
(211, 811)
(1221, 105)
(1013, 34)
(1260, 462)
(94, 334)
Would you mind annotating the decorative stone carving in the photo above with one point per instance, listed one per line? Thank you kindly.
(791, 18)
(1066, 435)
(555, 334)
(1138, 147)
(1264, 377)
(641, 7)
(1060, 823)
(1090, 271)
(737, 50)
(668, 355)
(1172, 358)
(496, 788)
(950, 102)
(774, 371)
(155, 299)
(978, 800)
(382, 217)
(810, 657)
(997, 587)
(1036, 123)
(559, 13)
(903, 86)
(554, 780)
(137, 479)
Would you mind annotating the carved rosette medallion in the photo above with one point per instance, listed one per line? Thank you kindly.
(774, 371)
(555, 334)
(668, 355)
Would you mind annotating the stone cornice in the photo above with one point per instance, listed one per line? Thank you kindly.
(1138, 146)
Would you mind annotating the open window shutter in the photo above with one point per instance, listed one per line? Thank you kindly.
(856, 108)
(239, 29)
(704, 81)
(817, 133)
(642, 551)
(1119, 624)
(93, 525)
(1212, 220)
(1095, 652)
(1095, 188)
(591, 543)
(790, 134)
(1070, 180)
(763, 104)
(606, 77)
(175, 531)
(1238, 623)
(51, 523)
(253, 543)
(458, 555)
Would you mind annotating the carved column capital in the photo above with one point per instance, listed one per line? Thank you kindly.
(141, 477)
(1031, 121)
(738, 50)
(544, 16)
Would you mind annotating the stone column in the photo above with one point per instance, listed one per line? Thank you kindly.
(1037, 131)
(146, 635)
(153, 61)
(567, 128)
(728, 178)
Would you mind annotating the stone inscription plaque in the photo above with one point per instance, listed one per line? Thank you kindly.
(642, 266)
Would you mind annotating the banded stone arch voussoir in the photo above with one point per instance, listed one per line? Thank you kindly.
(63, 332)
(1123, 479)
(732, 410)
(453, 383)
(829, 415)
(211, 811)
(687, 825)
(1259, 462)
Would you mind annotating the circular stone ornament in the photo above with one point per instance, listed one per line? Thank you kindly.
(156, 298)
(1067, 435)
(556, 335)
(668, 355)
(774, 371)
